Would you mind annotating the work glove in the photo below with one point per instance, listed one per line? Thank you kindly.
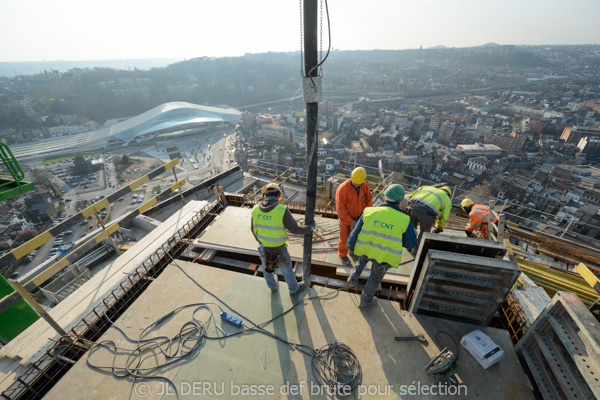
(469, 234)
(438, 230)
(353, 224)
(313, 225)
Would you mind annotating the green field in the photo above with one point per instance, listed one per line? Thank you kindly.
(71, 155)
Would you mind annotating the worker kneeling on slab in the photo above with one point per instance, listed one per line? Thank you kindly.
(379, 236)
(270, 223)
(478, 217)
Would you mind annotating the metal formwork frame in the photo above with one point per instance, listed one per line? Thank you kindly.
(562, 350)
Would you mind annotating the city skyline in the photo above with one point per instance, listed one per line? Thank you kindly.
(63, 30)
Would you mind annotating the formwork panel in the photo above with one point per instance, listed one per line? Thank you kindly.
(566, 336)
(460, 245)
(463, 287)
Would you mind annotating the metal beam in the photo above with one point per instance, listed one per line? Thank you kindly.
(312, 139)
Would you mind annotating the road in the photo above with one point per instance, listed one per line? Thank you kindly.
(209, 162)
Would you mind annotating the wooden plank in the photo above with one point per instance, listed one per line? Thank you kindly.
(388, 278)
(589, 277)
(32, 343)
(206, 255)
(533, 300)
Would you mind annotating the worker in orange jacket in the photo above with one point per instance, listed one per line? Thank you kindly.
(478, 217)
(351, 199)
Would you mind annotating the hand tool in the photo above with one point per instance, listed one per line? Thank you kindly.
(420, 338)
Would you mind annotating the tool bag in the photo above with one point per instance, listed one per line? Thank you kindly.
(272, 255)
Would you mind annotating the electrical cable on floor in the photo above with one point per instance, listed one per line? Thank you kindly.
(334, 365)
(437, 341)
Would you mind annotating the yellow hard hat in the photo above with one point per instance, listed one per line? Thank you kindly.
(271, 188)
(466, 203)
(447, 190)
(358, 175)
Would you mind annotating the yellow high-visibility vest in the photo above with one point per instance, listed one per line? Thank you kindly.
(380, 238)
(268, 226)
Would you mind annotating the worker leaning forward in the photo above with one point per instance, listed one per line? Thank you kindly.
(427, 204)
(351, 198)
(269, 223)
(478, 217)
(379, 236)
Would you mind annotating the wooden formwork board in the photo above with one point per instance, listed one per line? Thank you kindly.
(255, 359)
(230, 232)
(533, 300)
(463, 287)
(562, 349)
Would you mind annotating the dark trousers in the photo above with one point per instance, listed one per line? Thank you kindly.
(425, 218)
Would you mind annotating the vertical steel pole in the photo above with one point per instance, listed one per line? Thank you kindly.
(312, 112)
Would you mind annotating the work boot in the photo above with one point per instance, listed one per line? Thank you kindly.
(369, 304)
(301, 287)
(276, 288)
(352, 283)
(346, 261)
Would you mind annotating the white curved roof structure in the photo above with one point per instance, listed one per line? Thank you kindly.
(167, 117)
(172, 116)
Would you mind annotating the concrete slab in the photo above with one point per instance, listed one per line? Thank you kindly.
(228, 366)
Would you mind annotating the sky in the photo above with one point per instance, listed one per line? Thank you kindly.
(36, 30)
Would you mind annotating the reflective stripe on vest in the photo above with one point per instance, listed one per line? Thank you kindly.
(481, 210)
(268, 226)
(425, 192)
(380, 238)
(438, 197)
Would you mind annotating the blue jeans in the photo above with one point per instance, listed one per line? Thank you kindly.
(377, 273)
(358, 268)
(284, 263)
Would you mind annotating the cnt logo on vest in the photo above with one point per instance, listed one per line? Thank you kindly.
(383, 224)
(263, 216)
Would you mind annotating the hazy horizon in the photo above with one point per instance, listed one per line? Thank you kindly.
(113, 30)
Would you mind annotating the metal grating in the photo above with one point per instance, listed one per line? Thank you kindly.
(566, 341)
(463, 287)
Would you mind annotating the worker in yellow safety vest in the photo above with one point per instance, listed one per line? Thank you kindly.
(428, 204)
(380, 234)
(270, 223)
(478, 217)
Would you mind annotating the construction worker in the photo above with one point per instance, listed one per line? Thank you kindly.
(427, 204)
(379, 236)
(351, 198)
(269, 223)
(478, 217)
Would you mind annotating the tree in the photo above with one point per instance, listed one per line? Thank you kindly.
(26, 235)
(125, 159)
(81, 166)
